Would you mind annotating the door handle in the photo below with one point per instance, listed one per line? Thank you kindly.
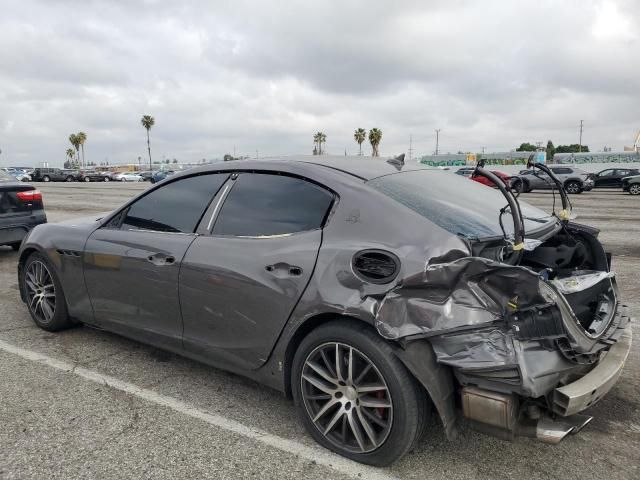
(161, 259)
(284, 269)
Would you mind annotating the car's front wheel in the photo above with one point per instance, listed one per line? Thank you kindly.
(354, 396)
(46, 178)
(634, 189)
(43, 294)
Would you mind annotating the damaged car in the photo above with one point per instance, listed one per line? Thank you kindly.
(373, 293)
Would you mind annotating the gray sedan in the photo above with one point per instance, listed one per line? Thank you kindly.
(372, 292)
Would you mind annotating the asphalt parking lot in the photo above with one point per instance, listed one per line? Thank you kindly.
(89, 404)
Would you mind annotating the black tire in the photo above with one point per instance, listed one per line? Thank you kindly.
(107, 179)
(69, 179)
(634, 189)
(518, 186)
(60, 319)
(86, 179)
(409, 405)
(46, 178)
(152, 180)
(573, 187)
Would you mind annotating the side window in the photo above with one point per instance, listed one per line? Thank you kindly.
(624, 173)
(606, 173)
(176, 207)
(263, 204)
(561, 170)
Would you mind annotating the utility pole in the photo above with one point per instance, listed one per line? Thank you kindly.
(580, 144)
(410, 146)
(437, 139)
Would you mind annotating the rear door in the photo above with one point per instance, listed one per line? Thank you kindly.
(131, 265)
(240, 282)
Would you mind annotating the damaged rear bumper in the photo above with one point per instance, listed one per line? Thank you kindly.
(583, 393)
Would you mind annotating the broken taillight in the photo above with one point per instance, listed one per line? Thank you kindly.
(30, 195)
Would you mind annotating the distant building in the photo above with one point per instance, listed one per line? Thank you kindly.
(490, 158)
(597, 157)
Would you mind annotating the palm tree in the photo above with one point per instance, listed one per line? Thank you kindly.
(360, 135)
(82, 137)
(147, 122)
(70, 155)
(319, 138)
(375, 136)
(75, 141)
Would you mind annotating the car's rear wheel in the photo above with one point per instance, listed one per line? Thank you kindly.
(43, 294)
(107, 179)
(354, 396)
(634, 189)
(68, 179)
(573, 187)
(87, 179)
(123, 179)
(46, 178)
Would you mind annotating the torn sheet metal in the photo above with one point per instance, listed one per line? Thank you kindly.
(468, 292)
(580, 280)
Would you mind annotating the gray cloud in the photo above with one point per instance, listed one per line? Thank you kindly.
(266, 75)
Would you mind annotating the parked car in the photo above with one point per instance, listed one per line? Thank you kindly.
(19, 175)
(21, 209)
(468, 172)
(160, 175)
(146, 175)
(91, 176)
(573, 179)
(631, 185)
(368, 290)
(127, 177)
(53, 175)
(612, 177)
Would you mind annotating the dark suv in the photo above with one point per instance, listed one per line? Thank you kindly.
(20, 210)
(53, 175)
(612, 177)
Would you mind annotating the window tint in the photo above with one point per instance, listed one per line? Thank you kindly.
(262, 204)
(461, 207)
(176, 207)
(624, 173)
(561, 170)
(606, 173)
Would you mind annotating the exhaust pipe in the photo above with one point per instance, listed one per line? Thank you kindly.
(551, 430)
(496, 414)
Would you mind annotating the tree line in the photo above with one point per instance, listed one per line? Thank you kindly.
(360, 135)
(551, 149)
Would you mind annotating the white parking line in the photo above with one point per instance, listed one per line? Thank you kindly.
(318, 455)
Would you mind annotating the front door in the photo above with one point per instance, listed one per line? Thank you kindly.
(132, 264)
(240, 283)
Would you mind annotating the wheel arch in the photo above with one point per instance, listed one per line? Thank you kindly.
(417, 356)
(21, 261)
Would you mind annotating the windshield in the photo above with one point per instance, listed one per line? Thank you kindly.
(459, 205)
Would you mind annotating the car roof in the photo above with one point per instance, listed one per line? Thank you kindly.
(365, 168)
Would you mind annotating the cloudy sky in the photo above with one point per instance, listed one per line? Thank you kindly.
(266, 75)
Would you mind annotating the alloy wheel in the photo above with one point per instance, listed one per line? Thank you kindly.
(634, 189)
(346, 397)
(573, 187)
(41, 291)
